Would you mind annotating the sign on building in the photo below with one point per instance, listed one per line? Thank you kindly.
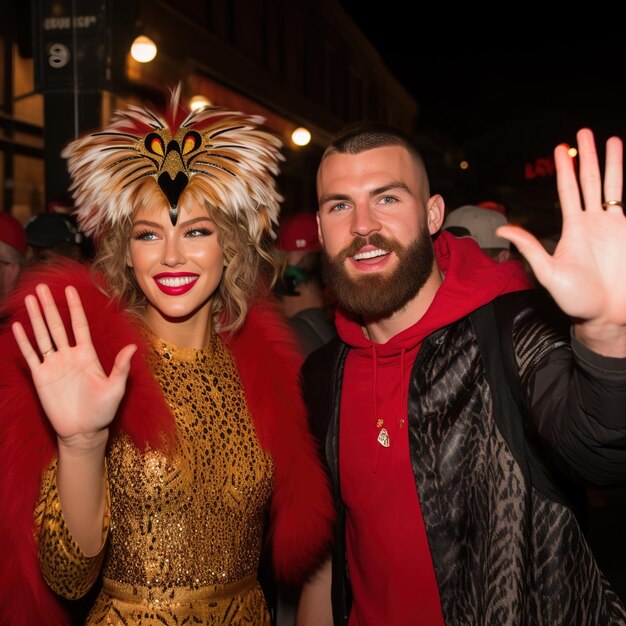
(70, 45)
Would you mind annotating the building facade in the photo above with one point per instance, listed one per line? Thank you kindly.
(66, 66)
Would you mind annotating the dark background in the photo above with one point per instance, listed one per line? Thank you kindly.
(473, 76)
(501, 90)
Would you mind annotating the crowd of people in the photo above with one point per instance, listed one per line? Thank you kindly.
(388, 407)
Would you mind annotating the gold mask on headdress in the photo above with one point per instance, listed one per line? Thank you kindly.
(220, 156)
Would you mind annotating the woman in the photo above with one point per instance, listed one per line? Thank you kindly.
(165, 437)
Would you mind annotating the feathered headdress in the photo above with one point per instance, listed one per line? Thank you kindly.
(214, 155)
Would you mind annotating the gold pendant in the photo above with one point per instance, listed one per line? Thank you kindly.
(383, 438)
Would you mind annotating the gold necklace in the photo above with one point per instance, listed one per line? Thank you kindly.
(383, 435)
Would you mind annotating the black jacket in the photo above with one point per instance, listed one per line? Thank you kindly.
(525, 411)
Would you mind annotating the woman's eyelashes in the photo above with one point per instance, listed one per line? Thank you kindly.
(202, 231)
(146, 235)
(194, 231)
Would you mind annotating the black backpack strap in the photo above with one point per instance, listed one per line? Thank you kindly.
(495, 343)
(493, 325)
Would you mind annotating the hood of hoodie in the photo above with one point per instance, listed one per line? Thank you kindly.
(471, 279)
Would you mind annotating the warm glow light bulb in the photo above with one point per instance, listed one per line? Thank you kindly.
(301, 136)
(572, 152)
(199, 102)
(143, 49)
(464, 165)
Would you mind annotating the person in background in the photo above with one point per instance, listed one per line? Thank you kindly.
(50, 234)
(304, 302)
(13, 249)
(153, 434)
(480, 223)
(456, 403)
(300, 286)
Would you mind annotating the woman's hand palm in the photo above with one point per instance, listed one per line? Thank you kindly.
(77, 395)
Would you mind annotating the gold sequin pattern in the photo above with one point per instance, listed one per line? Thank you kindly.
(196, 521)
(64, 567)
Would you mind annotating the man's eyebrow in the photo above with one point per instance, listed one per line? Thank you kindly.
(342, 197)
(389, 187)
(334, 197)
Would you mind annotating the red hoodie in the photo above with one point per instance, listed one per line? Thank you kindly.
(390, 566)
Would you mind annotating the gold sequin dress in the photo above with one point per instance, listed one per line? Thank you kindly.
(183, 536)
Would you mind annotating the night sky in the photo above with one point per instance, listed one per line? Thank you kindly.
(472, 78)
(502, 90)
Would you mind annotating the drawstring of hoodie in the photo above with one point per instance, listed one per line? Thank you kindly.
(404, 393)
(384, 439)
(377, 422)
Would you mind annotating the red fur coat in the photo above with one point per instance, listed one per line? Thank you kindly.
(268, 361)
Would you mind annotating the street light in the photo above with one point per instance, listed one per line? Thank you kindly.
(143, 49)
(301, 136)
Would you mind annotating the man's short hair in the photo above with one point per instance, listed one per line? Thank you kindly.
(367, 135)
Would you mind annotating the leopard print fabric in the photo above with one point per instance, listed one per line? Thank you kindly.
(504, 552)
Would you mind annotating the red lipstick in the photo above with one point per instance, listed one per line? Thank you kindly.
(175, 283)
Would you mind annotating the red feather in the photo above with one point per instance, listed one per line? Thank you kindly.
(268, 359)
(302, 511)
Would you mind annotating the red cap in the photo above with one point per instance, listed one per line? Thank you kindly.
(298, 232)
(12, 232)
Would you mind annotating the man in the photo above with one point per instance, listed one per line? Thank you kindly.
(301, 290)
(51, 234)
(450, 506)
(480, 223)
(12, 251)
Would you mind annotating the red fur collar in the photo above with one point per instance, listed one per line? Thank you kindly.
(268, 360)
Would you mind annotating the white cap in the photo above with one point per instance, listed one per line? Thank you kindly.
(480, 223)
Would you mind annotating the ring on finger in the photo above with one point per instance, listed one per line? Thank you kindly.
(609, 203)
(47, 352)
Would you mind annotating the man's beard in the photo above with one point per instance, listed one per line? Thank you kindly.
(374, 295)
